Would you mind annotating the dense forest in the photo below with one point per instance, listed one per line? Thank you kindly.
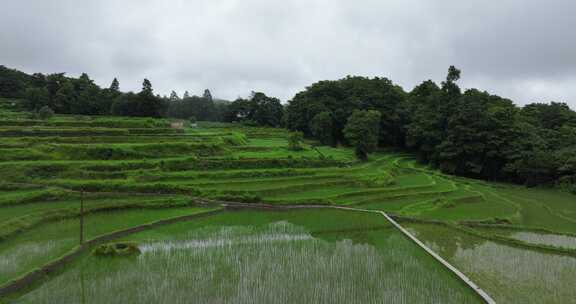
(471, 133)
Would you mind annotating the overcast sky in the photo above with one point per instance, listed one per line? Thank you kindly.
(521, 49)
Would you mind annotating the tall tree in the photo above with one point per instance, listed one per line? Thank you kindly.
(259, 109)
(322, 127)
(147, 87)
(174, 96)
(207, 95)
(65, 98)
(37, 98)
(148, 104)
(267, 111)
(341, 98)
(115, 85)
(362, 132)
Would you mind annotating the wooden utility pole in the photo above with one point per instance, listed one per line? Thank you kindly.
(81, 216)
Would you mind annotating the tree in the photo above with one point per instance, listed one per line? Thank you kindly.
(13, 83)
(431, 108)
(551, 116)
(147, 87)
(36, 98)
(125, 105)
(449, 86)
(65, 98)
(341, 98)
(267, 111)
(45, 113)
(453, 74)
(174, 96)
(295, 141)
(109, 96)
(89, 98)
(115, 85)
(362, 132)
(259, 109)
(148, 104)
(425, 132)
(207, 95)
(321, 127)
(55, 81)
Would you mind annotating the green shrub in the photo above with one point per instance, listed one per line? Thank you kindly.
(378, 181)
(117, 250)
(46, 171)
(85, 174)
(127, 187)
(256, 174)
(240, 198)
(45, 113)
(144, 131)
(40, 131)
(42, 196)
(111, 167)
(295, 141)
(235, 139)
(221, 164)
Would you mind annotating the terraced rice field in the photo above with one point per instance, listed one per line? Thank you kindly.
(282, 257)
(132, 172)
(508, 273)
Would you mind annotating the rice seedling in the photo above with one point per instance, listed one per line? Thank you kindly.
(41, 244)
(563, 241)
(13, 262)
(508, 274)
(277, 263)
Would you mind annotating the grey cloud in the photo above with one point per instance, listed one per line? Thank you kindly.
(523, 50)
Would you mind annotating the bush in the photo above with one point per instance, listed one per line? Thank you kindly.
(239, 198)
(295, 141)
(378, 181)
(45, 113)
(117, 249)
(144, 131)
(39, 131)
(222, 164)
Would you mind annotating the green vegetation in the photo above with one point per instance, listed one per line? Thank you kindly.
(361, 131)
(472, 133)
(130, 172)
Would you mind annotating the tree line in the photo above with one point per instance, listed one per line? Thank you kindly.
(469, 133)
(67, 95)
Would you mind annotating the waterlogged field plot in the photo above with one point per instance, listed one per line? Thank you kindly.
(561, 241)
(40, 245)
(283, 258)
(509, 274)
(565, 241)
